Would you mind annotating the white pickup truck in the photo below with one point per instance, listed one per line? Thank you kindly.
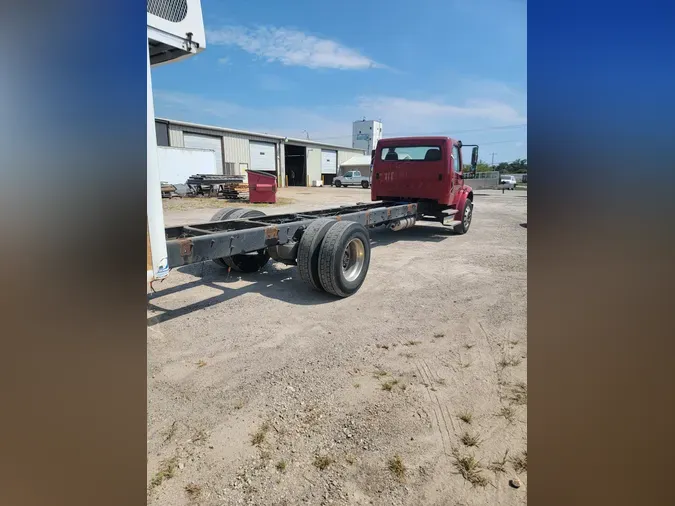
(353, 177)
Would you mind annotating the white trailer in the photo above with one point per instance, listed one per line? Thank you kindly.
(175, 32)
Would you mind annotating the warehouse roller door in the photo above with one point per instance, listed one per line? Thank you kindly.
(328, 162)
(263, 156)
(206, 142)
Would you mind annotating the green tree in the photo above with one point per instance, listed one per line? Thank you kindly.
(483, 167)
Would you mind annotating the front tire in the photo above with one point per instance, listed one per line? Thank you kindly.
(467, 214)
(338, 183)
(344, 258)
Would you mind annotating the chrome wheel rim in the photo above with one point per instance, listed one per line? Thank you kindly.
(353, 259)
(467, 216)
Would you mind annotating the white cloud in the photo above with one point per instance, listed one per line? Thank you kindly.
(224, 61)
(487, 120)
(435, 114)
(291, 47)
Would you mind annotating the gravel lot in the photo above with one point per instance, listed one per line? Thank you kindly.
(262, 391)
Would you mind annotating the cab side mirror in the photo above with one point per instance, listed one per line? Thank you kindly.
(474, 158)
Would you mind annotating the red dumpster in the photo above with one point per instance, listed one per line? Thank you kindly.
(262, 187)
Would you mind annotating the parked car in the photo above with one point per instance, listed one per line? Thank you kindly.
(353, 178)
(507, 182)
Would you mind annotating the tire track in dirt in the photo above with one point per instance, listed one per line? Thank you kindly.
(438, 380)
(426, 383)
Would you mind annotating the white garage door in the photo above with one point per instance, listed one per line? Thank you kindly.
(206, 142)
(262, 156)
(328, 162)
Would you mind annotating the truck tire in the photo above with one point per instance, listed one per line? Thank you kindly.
(245, 262)
(338, 183)
(364, 184)
(221, 215)
(308, 251)
(467, 214)
(344, 258)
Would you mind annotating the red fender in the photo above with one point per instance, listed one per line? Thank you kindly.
(464, 194)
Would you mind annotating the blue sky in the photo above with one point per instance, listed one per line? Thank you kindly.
(446, 67)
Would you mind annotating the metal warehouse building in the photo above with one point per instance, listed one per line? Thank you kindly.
(295, 162)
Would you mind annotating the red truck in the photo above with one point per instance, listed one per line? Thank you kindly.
(414, 178)
(427, 171)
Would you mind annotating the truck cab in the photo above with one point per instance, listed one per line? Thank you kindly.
(425, 170)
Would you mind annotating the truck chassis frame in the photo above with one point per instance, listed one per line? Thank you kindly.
(216, 239)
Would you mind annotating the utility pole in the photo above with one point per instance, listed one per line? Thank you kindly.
(493, 159)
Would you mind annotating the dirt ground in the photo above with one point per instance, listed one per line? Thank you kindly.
(411, 392)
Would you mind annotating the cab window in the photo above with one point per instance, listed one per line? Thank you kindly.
(411, 153)
(455, 159)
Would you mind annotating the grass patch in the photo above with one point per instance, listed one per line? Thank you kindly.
(520, 462)
(396, 467)
(468, 346)
(499, 466)
(199, 435)
(519, 394)
(469, 439)
(171, 432)
(466, 417)
(412, 343)
(389, 385)
(167, 470)
(259, 436)
(508, 362)
(379, 373)
(281, 466)
(357, 385)
(350, 459)
(322, 462)
(382, 346)
(201, 363)
(193, 490)
(507, 412)
(408, 355)
(441, 381)
(438, 335)
(239, 404)
(470, 469)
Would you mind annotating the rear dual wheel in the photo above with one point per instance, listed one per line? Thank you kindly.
(334, 256)
(245, 262)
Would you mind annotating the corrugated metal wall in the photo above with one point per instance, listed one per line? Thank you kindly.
(235, 146)
(343, 155)
(236, 150)
(314, 164)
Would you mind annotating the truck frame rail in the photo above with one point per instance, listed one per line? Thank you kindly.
(217, 239)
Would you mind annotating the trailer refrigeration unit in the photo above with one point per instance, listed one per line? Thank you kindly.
(413, 179)
(175, 32)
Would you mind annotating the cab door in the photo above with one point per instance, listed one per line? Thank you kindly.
(457, 182)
